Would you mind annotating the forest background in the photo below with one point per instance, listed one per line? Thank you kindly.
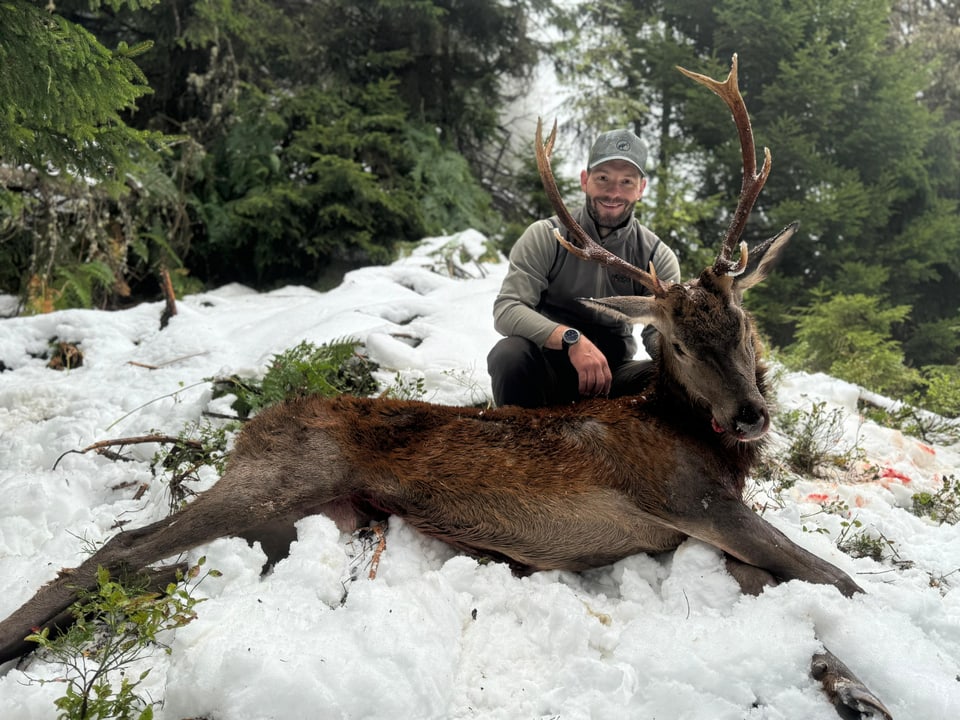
(270, 143)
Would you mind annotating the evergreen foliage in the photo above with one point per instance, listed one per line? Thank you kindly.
(849, 337)
(81, 218)
(63, 95)
(309, 137)
(941, 393)
(309, 177)
(306, 369)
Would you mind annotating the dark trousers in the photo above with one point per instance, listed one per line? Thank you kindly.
(524, 374)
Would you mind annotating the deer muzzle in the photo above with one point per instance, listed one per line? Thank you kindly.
(750, 423)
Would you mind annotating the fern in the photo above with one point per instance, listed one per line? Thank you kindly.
(80, 284)
(328, 370)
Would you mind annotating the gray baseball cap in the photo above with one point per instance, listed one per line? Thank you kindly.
(618, 145)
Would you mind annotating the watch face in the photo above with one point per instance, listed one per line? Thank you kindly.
(571, 336)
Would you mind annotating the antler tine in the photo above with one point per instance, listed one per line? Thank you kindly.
(753, 182)
(580, 242)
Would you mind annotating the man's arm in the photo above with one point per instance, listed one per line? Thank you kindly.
(514, 310)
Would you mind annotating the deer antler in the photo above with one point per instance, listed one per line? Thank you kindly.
(580, 243)
(729, 91)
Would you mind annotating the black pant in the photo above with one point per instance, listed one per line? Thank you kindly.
(530, 376)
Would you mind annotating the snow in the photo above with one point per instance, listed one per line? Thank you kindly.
(436, 634)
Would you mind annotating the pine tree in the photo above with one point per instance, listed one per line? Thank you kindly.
(63, 95)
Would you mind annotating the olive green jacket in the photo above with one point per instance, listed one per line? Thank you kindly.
(544, 280)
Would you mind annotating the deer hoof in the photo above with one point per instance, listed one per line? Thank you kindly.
(850, 696)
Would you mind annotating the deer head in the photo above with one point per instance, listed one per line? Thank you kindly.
(708, 347)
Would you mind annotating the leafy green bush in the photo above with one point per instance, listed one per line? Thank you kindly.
(114, 626)
(854, 539)
(941, 393)
(405, 388)
(857, 541)
(329, 370)
(942, 506)
(815, 438)
(930, 413)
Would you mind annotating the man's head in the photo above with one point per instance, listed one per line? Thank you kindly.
(614, 179)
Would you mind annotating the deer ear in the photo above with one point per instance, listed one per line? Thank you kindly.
(764, 257)
(636, 309)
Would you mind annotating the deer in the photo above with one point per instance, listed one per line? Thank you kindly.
(560, 488)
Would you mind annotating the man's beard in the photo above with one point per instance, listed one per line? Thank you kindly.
(602, 218)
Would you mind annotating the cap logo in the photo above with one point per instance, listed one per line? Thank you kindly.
(623, 145)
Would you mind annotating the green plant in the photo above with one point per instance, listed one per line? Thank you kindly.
(942, 506)
(329, 370)
(850, 337)
(941, 392)
(815, 438)
(854, 539)
(834, 507)
(405, 388)
(181, 461)
(115, 625)
(913, 420)
(858, 542)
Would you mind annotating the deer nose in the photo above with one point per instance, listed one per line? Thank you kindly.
(751, 422)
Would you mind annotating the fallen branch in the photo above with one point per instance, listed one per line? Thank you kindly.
(148, 366)
(137, 440)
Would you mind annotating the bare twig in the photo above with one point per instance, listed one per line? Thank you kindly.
(137, 440)
(378, 551)
(148, 366)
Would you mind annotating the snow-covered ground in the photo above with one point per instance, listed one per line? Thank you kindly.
(435, 634)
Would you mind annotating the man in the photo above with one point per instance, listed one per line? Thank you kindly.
(556, 350)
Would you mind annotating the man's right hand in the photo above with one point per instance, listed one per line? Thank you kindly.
(591, 366)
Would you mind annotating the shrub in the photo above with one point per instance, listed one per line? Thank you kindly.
(815, 437)
(114, 626)
(849, 337)
(329, 370)
(942, 506)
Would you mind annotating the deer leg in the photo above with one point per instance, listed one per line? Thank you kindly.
(131, 550)
(846, 691)
(751, 579)
(234, 506)
(734, 528)
(275, 539)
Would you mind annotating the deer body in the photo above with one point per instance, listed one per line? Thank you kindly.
(476, 478)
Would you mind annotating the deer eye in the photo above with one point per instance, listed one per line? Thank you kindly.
(678, 350)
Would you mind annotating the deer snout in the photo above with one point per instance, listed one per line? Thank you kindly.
(751, 422)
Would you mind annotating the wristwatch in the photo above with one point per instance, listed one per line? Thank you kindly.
(570, 337)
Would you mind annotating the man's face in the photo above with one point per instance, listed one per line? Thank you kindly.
(612, 189)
